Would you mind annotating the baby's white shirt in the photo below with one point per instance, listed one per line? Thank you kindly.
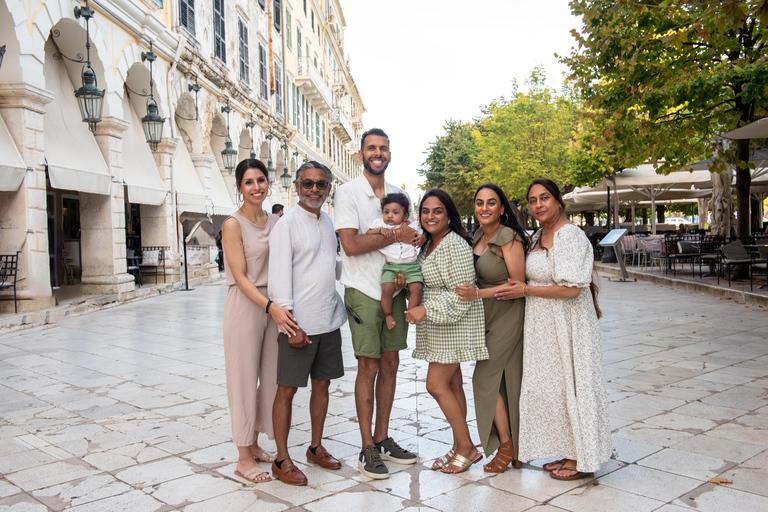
(398, 252)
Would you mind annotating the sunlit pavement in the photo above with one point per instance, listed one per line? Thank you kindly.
(126, 409)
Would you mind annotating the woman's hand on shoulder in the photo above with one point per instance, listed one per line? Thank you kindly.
(285, 321)
(415, 315)
(466, 291)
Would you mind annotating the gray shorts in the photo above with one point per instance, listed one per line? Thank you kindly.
(321, 359)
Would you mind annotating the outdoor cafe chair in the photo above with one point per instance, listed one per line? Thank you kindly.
(9, 266)
(735, 254)
(709, 253)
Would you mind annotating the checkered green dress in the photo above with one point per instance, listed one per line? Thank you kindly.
(453, 330)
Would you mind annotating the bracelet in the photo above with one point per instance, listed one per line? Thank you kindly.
(266, 309)
(523, 290)
(477, 293)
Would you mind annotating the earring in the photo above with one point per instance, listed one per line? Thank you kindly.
(505, 221)
(269, 192)
(240, 197)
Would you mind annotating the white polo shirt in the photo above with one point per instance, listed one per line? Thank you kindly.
(357, 207)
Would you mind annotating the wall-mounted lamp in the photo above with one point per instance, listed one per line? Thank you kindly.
(152, 122)
(90, 98)
(2, 54)
(228, 154)
(196, 88)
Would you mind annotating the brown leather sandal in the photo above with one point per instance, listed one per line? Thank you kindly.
(504, 455)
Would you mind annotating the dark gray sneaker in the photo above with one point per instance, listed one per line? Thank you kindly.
(371, 465)
(390, 450)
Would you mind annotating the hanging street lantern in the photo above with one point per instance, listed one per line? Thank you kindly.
(285, 179)
(229, 153)
(270, 166)
(152, 123)
(250, 124)
(90, 98)
(229, 156)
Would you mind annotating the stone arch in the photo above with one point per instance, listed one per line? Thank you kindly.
(11, 71)
(184, 117)
(279, 162)
(264, 153)
(218, 137)
(69, 38)
(243, 145)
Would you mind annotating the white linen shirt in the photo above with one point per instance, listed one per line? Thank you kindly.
(356, 207)
(303, 270)
(398, 252)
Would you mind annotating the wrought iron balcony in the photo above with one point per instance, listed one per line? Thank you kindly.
(312, 85)
(341, 125)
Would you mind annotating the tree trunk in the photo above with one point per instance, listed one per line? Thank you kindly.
(645, 216)
(754, 209)
(721, 203)
(743, 182)
(703, 212)
(660, 214)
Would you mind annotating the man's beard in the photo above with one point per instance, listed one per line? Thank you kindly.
(370, 169)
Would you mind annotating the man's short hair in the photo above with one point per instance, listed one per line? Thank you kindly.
(312, 164)
(373, 131)
(277, 208)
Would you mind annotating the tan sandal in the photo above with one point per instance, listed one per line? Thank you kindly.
(575, 476)
(265, 457)
(504, 455)
(443, 461)
(552, 466)
(461, 463)
(253, 475)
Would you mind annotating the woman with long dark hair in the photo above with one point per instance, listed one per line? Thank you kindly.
(499, 248)
(449, 331)
(563, 409)
(251, 321)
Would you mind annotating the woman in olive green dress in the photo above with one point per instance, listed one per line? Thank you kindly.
(499, 248)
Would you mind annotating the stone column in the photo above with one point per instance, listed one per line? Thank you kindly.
(102, 220)
(23, 213)
(158, 223)
(203, 164)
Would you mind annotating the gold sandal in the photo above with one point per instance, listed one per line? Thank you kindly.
(443, 461)
(461, 463)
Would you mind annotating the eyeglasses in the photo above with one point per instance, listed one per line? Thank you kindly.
(308, 184)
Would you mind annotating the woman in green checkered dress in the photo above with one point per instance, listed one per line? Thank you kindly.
(450, 331)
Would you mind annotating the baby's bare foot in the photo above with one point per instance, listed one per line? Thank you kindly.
(390, 322)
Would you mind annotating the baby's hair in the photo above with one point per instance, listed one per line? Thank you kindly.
(397, 198)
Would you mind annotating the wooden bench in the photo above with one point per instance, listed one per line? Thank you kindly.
(9, 264)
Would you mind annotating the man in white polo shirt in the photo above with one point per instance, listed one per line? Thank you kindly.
(358, 204)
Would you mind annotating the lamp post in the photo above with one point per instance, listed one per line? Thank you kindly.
(228, 154)
(270, 166)
(285, 179)
(152, 122)
(90, 98)
(250, 124)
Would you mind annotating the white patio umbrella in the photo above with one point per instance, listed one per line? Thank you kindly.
(756, 130)
(646, 181)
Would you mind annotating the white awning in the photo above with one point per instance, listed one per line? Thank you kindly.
(74, 159)
(222, 202)
(756, 130)
(190, 194)
(140, 173)
(11, 164)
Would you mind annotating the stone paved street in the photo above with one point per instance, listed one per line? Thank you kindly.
(126, 409)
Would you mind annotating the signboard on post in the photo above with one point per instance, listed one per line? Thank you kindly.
(613, 239)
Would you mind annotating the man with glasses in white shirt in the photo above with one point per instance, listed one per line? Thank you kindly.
(358, 205)
(302, 278)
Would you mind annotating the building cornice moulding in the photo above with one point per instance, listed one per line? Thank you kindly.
(24, 95)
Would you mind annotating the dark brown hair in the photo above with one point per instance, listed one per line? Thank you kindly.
(551, 187)
(249, 163)
(510, 210)
(454, 221)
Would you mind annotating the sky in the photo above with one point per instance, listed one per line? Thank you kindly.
(418, 63)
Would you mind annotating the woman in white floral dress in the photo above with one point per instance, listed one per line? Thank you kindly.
(562, 401)
(450, 331)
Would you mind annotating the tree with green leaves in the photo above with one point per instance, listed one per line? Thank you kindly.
(527, 137)
(663, 77)
(451, 164)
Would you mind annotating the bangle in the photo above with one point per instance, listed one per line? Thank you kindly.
(523, 290)
(477, 293)
(266, 309)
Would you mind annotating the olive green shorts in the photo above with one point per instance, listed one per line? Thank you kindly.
(370, 336)
(411, 271)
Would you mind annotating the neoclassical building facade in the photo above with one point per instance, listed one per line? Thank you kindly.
(84, 204)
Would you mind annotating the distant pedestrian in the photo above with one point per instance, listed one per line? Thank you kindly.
(358, 204)
(250, 324)
(563, 410)
(449, 331)
(220, 254)
(302, 278)
(277, 209)
(499, 248)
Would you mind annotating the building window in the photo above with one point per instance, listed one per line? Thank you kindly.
(305, 7)
(219, 40)
(187, 15)
(293, 93)
(317, 130)
(278, 89)
(288, 35)
(324, 150)
(263, 90)
(277, 16)
(313, 22)
(263, 4)
(298, 41)
(244, 68)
